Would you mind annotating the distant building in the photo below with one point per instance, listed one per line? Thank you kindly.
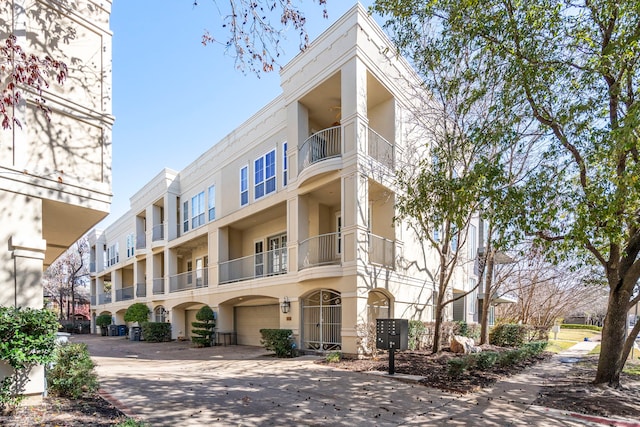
(288, 222)
(55, 176)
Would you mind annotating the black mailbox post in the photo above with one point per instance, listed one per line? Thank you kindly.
(392, 335)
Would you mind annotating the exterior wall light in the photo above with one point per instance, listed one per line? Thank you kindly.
(285, 306)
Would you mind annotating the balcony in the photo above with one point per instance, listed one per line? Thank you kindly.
(92, 267)
(381, 149)
(268, 263)
(382, 251)
(158, 286)
(141, 290)
(189, 280)
(141, 241)
(93, 300)
(320, 146)
(320, 250)
(124, 294)
(157, 233)
(104, 298)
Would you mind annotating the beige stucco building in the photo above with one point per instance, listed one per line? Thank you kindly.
(55, 176)
(295, 207)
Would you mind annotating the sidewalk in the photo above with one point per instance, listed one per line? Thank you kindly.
(170, 384)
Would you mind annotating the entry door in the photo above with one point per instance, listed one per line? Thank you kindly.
(277, 260)
(322, 321)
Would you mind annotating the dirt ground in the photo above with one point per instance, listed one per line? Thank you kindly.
(572, 392)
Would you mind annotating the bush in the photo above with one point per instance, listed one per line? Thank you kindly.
(486, 359)
(534, 348)
(333, 357)
(104, 320)
(573, 326)
(417, 329)
(279, 341)
(203, 332)
(27, 338)
(156, 331)
(508, 335)
(73, 372)
(457, 366)
(511, 357)
(137, 312)
(464, 329)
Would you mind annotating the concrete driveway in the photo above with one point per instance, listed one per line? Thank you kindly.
(172, 384)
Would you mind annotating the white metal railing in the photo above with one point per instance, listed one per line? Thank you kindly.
(141, 240)
(319, 250)
(157, 232)
(268, 263)
(382, 251)
(189, 280)
(104, 298)
(141, 290)
(158, 286)
(320, 146)
(124, 294)
(381, 149)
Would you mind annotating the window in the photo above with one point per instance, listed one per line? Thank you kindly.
(264, 174)
(131, 244)
(244, 185)
(339, 232)
(185, 217)
(285, 165)
(436, 234)
(259, 259)
(454, 239)
(212, 203)
(189, 272)
(473, 297)
(112, 255)
(197, 210)
(472, 247)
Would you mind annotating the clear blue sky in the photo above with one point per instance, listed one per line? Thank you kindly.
(174, 98)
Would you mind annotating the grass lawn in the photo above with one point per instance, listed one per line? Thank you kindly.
(556, 346)
(633, 362)
(567, 338)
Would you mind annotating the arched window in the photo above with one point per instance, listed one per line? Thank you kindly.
(160, 314)
(378, 304)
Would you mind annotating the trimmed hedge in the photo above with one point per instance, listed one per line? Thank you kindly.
(574, 326)
(156, 331)
(508, 335)
(278, 340)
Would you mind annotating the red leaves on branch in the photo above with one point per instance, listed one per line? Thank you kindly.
(22, 72)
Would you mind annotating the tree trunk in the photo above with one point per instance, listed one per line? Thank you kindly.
(486, 301)
(611, 359)
(438, 325)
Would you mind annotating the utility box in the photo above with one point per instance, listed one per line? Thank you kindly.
(392, 334)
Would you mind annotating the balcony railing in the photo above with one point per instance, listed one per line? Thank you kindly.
(158, 286)
(189, 280)
(320, 146)
(92, 267)
(381, 149)
(104, 298)
(124, 294)
(268, 263)
(382, 251)
(320, 250)
(141, 240)
(141, 290)
(93, 300)
(157, 232)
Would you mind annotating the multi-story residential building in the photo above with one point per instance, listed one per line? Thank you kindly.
(55, 175)
(288, 222)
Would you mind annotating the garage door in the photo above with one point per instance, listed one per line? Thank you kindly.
(249, 321)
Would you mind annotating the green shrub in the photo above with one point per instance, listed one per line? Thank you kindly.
(333, 357)
(534, 348)
(464, 329)
(73, 373)
(457, 366)
(130, 422)
(204, 327)
(511, 357)
(137, 312)
(417, 329)
(27, 338)
(156, 331)
(486, 359)
(573, 326)
(508, 335)
(279, 341)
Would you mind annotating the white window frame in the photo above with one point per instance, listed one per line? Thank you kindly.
(185, 216)
(197, 210)
(131, 245)
(244, 185)
(264, 180)
(212, 203)
(285, 165)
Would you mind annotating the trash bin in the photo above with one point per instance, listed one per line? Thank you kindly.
(136, 331)
(122, 330)
(113, 330)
